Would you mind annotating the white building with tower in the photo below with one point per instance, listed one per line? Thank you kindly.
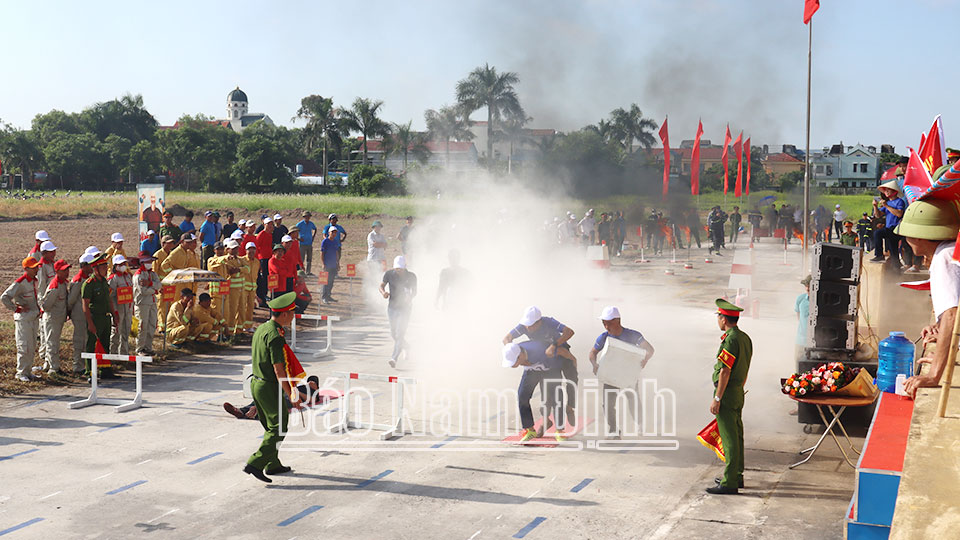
(238, 114)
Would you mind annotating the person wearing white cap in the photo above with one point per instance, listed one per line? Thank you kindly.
(839, 216)
(116, 246)
(279, 229)
(330, 257)
(92, 250)
(399, 287)
(75, 309)
(308, 232)
(551, 331)
(41, 236)
(151, 243)
(538, 369)
(217, 263)
(121, 292)
(251, 269)
(48, 256)
(231, 306)
(610, 318)
(588, 228)
(146, 285)
(891, 208)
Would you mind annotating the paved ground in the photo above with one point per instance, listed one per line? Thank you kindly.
(172, 468)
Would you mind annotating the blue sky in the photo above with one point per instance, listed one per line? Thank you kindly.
(881, 68)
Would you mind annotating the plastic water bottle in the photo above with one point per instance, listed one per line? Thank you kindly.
(896, 358)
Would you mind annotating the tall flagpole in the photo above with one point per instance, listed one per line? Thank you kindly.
(806, 168)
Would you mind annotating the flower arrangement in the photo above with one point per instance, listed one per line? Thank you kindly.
(824, 379)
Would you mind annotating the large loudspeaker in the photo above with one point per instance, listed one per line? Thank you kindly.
(835, 262)
(832, 299)
(832, 333)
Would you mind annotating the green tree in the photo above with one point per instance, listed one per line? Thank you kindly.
(200, 153)
(627, 126)
(363, 117)
(589, 164)
(404, 141)
(512, 130)
(790, 180)
(144, 161)
(324, 125)
(19, 149)
(126, 117)
(79, 158)
(370, 180)
(262, 161)
(449, 122)
(118, 148)
(47, 127)
(485, 87)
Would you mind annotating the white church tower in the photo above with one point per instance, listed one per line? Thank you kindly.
(237, 106)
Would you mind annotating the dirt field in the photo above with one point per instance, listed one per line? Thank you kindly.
(72, 236)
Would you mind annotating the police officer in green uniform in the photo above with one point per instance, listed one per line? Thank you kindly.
(98, 309)
(729, 376)
(269, 379)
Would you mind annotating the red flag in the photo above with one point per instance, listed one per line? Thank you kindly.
(294, 369)
(695, 162)
(723, 158)
(710, 437)
(916, 179)
(98, 349)
(933, 151)
(666, 157)
(809, 8)
(746, 149)
(738, 149)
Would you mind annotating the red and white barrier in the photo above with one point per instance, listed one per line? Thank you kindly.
(599, 256)
(293, 332)
(121, 405)
(741, 270)
(396, 427)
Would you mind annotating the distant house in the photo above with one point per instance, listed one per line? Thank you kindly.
(525, 149)
(781, 163)
(852, 166)
(463, 156)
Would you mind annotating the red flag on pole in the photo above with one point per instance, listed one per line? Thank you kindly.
(723, 158)
(746, 149)
(933, 151)
(738, 149)
(664, 137)
(695, 162)
(809, 8)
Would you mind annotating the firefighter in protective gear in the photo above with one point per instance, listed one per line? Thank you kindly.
(252, 264)
(217, 263)
(231, 307)
(121, 292)
(53, 301)
(167, 244)
(21, 298)
(182, 324)
(203, 311)
(146, 285)
(183, 256)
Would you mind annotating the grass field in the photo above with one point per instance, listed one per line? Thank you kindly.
(107, 204)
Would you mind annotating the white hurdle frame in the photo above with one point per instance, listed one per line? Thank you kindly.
(293, 332)
(396, 427)
(121, 404)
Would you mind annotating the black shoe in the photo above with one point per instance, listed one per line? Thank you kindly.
(877, 259)
(257, 473)
(108, 374)
(718, 480)
(282, 469)
(720, 490)
(331, 299)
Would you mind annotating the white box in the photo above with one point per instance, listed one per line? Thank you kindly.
(619, 363)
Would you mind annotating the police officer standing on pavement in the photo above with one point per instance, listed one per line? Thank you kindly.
(729, 376)
(21, 298)
(97, 309)
(270, 378)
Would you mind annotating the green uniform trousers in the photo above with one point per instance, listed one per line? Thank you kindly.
(267, 398)
(730, 425)
(103, 325)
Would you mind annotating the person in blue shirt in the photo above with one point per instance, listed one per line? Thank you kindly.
(890, 207)
(538, 368)
(610, 318)
(802, 309)
(330, 254)
(187, 224)
(551, 331)
(341, 233)
(308, 230)
(151, 243)
(209, 234)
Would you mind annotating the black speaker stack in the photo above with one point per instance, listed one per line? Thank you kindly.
(832, 326)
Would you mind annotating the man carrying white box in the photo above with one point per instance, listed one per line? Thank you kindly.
(618, 363)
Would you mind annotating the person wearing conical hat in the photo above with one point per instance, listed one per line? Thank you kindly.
(729, 376)
(930, 227)
(890, 207)
(269, 383)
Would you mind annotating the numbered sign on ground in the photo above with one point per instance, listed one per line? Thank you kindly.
(351, 270)
(273, 282)
(322, 277)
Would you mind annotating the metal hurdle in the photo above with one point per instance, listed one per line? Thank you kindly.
(121, 405)
(396, 427)
(293, 332)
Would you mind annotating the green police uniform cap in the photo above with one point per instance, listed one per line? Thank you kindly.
(728, 309)
(284, 302)
(932, 219)
(100, 259)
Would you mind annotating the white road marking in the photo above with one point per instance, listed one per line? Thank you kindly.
(532, 494)
(104, 476)
(220, 436)
(145, 461)
(163, 515)
(421, 470)
(50, 495)
(500, 516)
(474, 535)
(207, 497)
(165, 412)
(180, 450)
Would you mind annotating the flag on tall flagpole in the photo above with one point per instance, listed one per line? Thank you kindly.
(933, 150)
(664, 137)
(738, 149)
(809, 8)
(723, 158)
(695, 161)
(746, 149)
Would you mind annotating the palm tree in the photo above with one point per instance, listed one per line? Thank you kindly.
(362, 117)
(324, 125)
(484, 87)
(512, 131)
(20, 147)
(604, 128)
(406, 141)
(450, 122)
(628, 126)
